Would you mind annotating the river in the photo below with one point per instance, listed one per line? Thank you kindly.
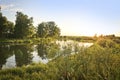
(12, 56)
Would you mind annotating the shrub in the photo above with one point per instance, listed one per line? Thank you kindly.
(106, 43)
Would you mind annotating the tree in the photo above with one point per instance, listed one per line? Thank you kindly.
(48, 29)
(42, 30)
(54, 31)
(6, 27)
(24, 26)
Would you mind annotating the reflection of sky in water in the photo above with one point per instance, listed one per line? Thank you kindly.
(38, 59)
(65, 43)
(10, 62)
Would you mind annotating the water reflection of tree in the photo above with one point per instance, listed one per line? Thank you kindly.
(48, 50)
(23, 54)
(5, 52)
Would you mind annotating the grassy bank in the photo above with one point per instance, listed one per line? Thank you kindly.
(97, 62)
(65, 38)
(19, 41)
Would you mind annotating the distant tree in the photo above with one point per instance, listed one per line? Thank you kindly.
(42, 30)
(101, 36)
(24, 26)
(54, 31)
(6, 27)
(112, 36)
(48, 29)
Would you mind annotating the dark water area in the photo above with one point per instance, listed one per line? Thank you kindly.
(24, 54)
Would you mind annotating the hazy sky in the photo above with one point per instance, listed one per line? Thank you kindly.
(74, 17)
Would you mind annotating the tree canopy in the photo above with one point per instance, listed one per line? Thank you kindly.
(24, 26)
(6, 27)
(48, 29)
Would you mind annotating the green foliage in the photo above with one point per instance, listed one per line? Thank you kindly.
(48, 29)
(23, 27)
(91, 63)
(33, 72)
(106, 43)
(79, 38)
(6, 27)
(42, 30)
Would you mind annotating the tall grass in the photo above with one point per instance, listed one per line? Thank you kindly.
(94, 63)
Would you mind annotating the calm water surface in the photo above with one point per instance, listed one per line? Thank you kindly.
(18, 55)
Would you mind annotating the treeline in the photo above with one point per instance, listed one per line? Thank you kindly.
(24, 28)
(79, 38)
(92, 38)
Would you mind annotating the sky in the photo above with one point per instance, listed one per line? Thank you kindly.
(73, 17)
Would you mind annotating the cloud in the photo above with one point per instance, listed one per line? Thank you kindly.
(16, 9)
(4, 7)
(10, 7)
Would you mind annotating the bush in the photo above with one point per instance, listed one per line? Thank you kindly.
(106, 43)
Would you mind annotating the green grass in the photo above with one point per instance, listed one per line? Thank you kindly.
(25, 41)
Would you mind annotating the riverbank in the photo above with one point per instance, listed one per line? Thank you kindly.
(61, 38)
(25, 41)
